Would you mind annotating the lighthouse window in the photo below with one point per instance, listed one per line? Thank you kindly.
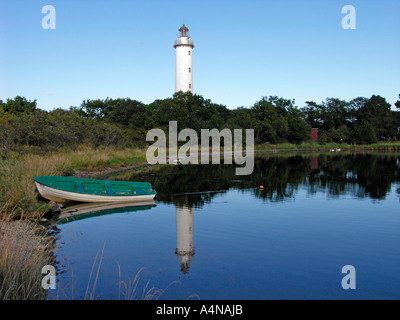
(189, 53)
(190, 69)
(190, 86)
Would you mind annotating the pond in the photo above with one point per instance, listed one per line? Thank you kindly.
(284, 232)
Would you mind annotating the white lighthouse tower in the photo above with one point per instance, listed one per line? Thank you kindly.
(183, 61)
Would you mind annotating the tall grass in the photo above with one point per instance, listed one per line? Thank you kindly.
(16, 181)
(24, 251)
(127, 289)
(87, 158)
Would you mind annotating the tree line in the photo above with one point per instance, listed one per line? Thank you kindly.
(125, 122)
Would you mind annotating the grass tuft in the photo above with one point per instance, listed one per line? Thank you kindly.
(24, 251)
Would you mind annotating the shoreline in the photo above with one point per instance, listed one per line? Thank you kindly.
(107, 171)
(104, 173)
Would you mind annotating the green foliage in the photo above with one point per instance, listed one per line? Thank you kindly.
(364, 133)
(241, 118)
(377, 112)
(355, 121)
(129, 112)
(114, 162)
(271, 118)
(69, 171)
(8, 133)
(125, 122)
(277, 120)
(339, 135)
(397, 104)
(167, 110)
(94, 109)
(299, 130)
(18, 105)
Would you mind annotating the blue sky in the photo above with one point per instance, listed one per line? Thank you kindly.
(244, 50)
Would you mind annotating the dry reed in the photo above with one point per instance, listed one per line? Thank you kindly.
(24, 251)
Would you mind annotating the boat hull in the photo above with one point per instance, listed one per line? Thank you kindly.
(65, 196)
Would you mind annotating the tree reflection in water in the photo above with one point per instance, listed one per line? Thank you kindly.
(356, 174)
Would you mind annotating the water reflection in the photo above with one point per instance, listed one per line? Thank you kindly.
(356, 174)
(184, 222)
(77, 211)
(269, 244)
(184, 237)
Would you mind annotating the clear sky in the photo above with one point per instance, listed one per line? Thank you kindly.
(244, 50)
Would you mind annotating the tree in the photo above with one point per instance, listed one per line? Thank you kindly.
(397, 104)
(377, 111)
(340, 135)
(364, 133)
(299, 130)
(396, 116)
(8, 132)
(242, 118)
(65, 128)
(164, 111)
(271, 119)
(128, 112)
(335, 113)
(313, 114)
(354, 108)
(202, 113)
(95, 109)
(19, 105)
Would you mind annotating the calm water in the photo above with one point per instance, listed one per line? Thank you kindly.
(219, 236)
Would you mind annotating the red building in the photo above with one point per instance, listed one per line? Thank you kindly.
(314, 134)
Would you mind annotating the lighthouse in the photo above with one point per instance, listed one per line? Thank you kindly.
(183, 61)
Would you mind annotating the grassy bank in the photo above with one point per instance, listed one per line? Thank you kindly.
(16, 173)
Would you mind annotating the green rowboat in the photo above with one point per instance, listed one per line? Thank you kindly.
(63, 189)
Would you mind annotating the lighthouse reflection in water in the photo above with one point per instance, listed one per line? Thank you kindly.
(184, 237)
